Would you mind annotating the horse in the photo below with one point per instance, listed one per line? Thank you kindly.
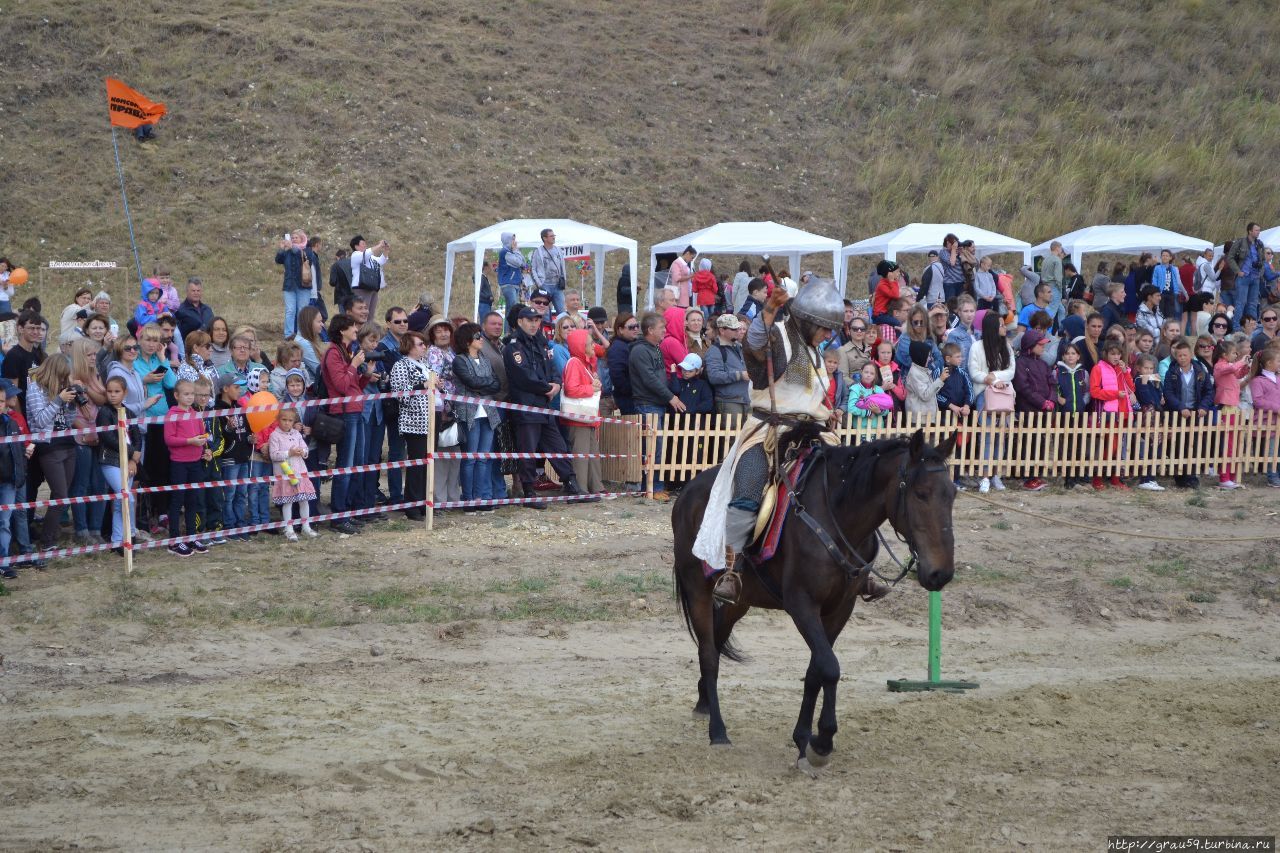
(825, 552)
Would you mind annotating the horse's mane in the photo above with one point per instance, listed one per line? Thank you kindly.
(858, 468)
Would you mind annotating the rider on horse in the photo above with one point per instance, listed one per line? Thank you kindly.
(788, 388)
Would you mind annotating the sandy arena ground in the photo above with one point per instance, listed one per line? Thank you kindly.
(412, 691)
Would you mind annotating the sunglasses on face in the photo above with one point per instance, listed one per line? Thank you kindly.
(131, 348)
(1219, 325)
(631, 326)
(401, 322)
(1205, 346)
(541, 304)
(1269, 319)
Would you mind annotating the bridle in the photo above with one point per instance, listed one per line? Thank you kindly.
(854, 567)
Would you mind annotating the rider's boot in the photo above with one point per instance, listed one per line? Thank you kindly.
(874, 589)
(729, 584)
(739, 525)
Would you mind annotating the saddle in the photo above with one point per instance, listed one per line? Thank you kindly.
(774, 506)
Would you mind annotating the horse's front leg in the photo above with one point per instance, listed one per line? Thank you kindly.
(824, 673)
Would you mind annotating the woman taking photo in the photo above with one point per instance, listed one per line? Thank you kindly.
(88, 478)
(473, 376)
(342, 378)
(412, 374)
(51, 406)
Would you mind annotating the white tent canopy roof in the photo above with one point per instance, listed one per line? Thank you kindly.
(919, 237)
(748, 238)
(594, 241)
(1121, 238)
(1270, 237)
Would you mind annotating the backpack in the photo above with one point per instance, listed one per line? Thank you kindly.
(926, 282)
(306, 269)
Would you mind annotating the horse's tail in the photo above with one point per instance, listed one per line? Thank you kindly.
(727, 647)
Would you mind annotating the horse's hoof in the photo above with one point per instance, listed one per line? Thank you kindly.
(803, 765)
(701, 711)
(814, 758)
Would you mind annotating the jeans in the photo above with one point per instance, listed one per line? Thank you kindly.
(350, 452)
(1248, 291)
(477, 474)
(111, 475)
(259, 493)
(318, 302)
(88, 480)
(646, 409)
(482, 309)
(235, 508)
(510, 295)
(190, 501)
(8, 497)
(294, 302)
(557, 298)
(1170, 306)
(212, 497)
(395, 453)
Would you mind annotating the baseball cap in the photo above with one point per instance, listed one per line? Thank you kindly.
(226, 380)
(527, 313)
(728, 321)
(692, 361)
(10, 389)
(540, 294)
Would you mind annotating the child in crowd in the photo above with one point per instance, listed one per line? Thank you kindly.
(13, 477)
(259, 460)
(212, 470)
(1072, 381)
(1229, 367)
(108, 450)
(1143, 344)
(149, 309)
(288, 451)
(893, 321)
(1111, 385)
(837, 387)
(1150, 394)
(887, 373)
(756, 294)
(237, 449)
(188, 448)
(692, 389)
(921, 388)
(1188, 390)
(957, 390)
(868, 400)
(1265, 387)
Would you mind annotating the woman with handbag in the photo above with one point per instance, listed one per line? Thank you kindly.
(88, 479)
(450, 434)
(474, 377)
(580, 395)
(991, 370)
(342, 378)
(412, 374)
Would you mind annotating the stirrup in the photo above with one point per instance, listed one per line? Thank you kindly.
(874, 589)
(727, 589)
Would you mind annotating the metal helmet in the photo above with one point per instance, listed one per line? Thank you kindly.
(818, 303)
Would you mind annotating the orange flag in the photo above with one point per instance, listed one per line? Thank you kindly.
(129, 108)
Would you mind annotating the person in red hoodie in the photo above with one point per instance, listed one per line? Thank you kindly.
(342, 378)
(674, 346)
(188, 443)
(705, 288)
(887, 289)
(581, 390)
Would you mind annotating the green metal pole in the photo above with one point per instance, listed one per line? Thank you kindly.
(935, 637)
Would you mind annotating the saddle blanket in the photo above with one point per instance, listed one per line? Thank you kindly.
(766, 546)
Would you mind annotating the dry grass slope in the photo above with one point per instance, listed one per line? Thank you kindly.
(652, 119)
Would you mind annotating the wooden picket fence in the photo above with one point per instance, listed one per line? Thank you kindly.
(1041, 444)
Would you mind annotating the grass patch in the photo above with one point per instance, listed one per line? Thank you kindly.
(1002, 525)
(522, 584)
(1121, 583)
(558, 610)
(1240, 515)
(987, 575)
(1197, 501)
(385, 598)
(635, 584)
(1202, 597)
(4, 590)
(1170, 568)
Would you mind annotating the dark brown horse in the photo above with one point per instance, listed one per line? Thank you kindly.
(818, 572)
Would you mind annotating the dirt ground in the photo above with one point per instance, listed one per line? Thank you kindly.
(523, 681)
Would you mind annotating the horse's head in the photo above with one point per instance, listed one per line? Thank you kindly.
(921, 512)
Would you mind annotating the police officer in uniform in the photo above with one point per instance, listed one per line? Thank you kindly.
(530, 377)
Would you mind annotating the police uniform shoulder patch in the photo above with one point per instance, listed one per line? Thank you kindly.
(517, 357)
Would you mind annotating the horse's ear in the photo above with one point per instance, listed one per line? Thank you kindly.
(948, 445)
(916, 447)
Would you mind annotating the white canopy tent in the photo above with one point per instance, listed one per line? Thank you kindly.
(748, 238)
(1116, 239)
(1270, 236)
(594, 241)
(920, 237)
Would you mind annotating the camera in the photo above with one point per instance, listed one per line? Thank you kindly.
(82, 399)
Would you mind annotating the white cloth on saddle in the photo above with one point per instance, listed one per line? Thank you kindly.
(791, 399)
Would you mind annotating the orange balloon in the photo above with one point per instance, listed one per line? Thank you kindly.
(18, 276)
(258, 421)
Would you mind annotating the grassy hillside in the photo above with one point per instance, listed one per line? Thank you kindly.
(842, 117)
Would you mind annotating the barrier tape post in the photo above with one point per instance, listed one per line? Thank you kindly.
(122, 438)
(651, 452)
(431, 453)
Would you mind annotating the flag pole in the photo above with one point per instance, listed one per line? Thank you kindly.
(125, 198)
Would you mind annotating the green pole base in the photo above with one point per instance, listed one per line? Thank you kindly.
(903, 685)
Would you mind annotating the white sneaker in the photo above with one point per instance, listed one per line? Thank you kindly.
(307, 531)
(1229, 485)
(997, 484)
(984, 485)
(290, 535)
(1150, 486)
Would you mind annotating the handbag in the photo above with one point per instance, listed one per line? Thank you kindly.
(86, 418)
(449, 436)
(589, 406)
(327, 428)
(998, 399)
(504, 441)
(370, 275)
